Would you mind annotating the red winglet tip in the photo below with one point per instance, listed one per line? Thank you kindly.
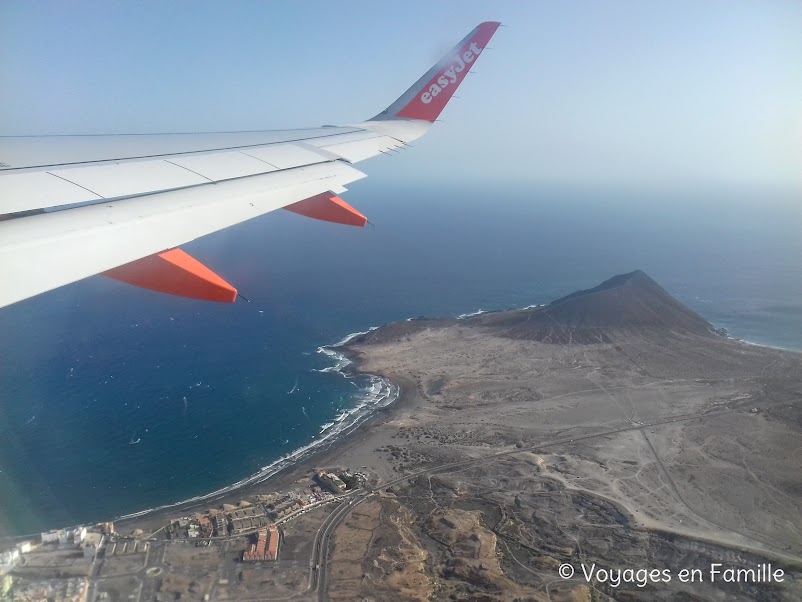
(433, 91)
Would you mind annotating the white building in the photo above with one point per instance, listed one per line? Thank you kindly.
(9, 557)
(78, 535)
(50, 537)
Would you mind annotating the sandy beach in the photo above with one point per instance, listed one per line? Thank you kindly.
(346, 449)
(614, 426)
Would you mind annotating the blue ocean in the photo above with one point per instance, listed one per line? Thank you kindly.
(115, 400)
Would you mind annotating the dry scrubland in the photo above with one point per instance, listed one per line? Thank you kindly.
(613, 427)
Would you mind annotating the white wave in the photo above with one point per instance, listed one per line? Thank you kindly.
(473, 313)
(746, 342)
(340, 360)
(353, 335)
(379, 394)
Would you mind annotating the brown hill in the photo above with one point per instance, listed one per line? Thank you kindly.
(624, 305)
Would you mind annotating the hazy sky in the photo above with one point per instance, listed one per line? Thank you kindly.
(621, 94)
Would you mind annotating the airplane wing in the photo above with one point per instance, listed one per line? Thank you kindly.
(121, 205)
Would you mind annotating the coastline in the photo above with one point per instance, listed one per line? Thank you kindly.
(765, 345)
(334, 439)
(477, 419)
(283, 472)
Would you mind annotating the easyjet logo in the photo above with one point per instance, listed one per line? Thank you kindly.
(449, 75)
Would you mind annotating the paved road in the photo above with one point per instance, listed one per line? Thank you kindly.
(319, 570)
(320, 550)
(319, 560)
(150, 583)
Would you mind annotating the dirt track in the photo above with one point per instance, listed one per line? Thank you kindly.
(699, 460)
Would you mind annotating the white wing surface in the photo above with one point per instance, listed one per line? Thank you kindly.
(75, 206)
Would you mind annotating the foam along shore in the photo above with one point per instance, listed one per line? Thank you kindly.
(539, 415)
(379, 393)
(478, 312)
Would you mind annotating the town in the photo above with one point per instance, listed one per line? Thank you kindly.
(96, 562)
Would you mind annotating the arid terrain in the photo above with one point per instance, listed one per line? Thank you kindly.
(613, 427)
(610, 445)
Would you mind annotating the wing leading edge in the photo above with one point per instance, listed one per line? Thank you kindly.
(75, 206)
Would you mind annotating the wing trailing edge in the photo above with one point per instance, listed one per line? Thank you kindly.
(177, 273)
(76, 206)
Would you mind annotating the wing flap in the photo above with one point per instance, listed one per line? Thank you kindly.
(37, 189)
(25, 191)
(42, 252)
(129, 179)
(224, 166)
(48, 152)
(285, 156)
(139, 195)
(359, 150)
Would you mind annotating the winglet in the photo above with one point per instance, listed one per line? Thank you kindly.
(427, 98)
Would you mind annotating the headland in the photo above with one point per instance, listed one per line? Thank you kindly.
(613, 428)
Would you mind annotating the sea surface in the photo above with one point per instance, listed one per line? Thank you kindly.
(115, 400)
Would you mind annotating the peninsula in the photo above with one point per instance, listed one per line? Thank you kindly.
(609, 445)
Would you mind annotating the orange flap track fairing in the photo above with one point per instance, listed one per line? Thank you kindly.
(176, 273)
(329, 208)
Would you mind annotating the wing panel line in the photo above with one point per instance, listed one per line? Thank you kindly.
(157, 156)
(188, 169)
(258, 159)
(74, 184)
